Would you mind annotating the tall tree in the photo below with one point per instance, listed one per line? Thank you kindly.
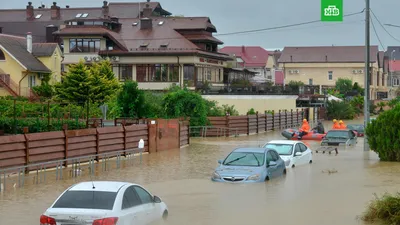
(131, 100)
(344, 85)
(103, 82)
(75, 85)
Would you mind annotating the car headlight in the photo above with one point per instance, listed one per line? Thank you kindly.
(216, 176)
(254, 177)
(287, 162)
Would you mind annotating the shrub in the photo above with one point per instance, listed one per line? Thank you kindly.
(38, 125)
(215, 110)
(384, 209)
(251, 112)
(185, 103)
(131, 100)
(383, 135)
(342, 110)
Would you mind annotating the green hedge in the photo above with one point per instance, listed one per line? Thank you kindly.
(36, 125)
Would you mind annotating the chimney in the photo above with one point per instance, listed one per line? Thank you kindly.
(67, 6)
(326, 58)
(43, 6)
(55, 11)
(243, 49)
(146, 24)
(29, 11)
(105, 9)
(291, 58)
(49, 33)
(147, 12)
(29, 42)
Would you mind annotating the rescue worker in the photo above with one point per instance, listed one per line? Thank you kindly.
(342, 125)
(319, 128)
(335, 125)
(304, 129)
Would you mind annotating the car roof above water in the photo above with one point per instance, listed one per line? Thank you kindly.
(284, 142)
(255, 150)
(107, 186)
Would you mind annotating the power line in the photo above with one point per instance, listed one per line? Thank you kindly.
(384, 26)
(284, 26)
(376, 33)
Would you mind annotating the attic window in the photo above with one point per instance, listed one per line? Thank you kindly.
(164, 45)
(160, 23)
(38, 16)
(85, 15)
(144, 45)
(78, 15)
(134, 24)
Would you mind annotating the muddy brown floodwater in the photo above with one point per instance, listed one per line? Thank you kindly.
(182, 179)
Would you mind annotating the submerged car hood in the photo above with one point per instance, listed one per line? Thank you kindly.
(237, 170)
(336, 140)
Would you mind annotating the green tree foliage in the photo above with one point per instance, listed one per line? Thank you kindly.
(358, 103)
(392, 103)
(131, 100)
(153, 105)
(356, 87)
(81, 83)
(344, 85)
(251, 112)
(75, 86)
(383, 135)
(45, 90)
(342, 110)
(295, 85)
(215, 110)
(186, 103)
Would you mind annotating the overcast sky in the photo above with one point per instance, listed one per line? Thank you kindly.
(234, 15)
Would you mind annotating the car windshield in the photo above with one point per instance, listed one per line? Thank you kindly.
(244, 159)
(337, 134)
(356, 127)
(87, 200)
(282, 149)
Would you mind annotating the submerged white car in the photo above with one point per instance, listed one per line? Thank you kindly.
(105, 203)
(294, 153)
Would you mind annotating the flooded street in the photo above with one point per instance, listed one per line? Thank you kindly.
(181, 178)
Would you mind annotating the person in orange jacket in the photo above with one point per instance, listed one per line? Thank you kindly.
(335, 125)
(304, 129)
(342, 125)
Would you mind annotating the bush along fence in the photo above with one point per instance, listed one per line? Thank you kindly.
(253, 124)
(36, 148)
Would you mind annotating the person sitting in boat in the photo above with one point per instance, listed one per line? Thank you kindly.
(342, 125)
(335, 125)
(319, 128)
(304, 129)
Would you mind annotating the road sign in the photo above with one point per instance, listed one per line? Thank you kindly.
(332, 10)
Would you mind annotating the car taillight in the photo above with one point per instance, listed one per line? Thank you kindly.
(45, 220)
(106, 221)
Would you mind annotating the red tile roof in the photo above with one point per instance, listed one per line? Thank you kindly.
(253, 56)
(321, 54)
(394, 65)
(279, 77)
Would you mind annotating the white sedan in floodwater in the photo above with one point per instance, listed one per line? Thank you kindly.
(294, 153)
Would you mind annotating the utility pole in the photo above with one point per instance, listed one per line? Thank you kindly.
(367, 71)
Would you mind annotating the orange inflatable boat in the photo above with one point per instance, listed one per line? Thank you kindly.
(292, 134)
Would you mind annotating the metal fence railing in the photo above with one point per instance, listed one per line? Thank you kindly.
(39, 172)
(211, 131)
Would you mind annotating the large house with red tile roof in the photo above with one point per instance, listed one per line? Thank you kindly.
(323, 65)
(392, 67)
(255, 58)
(142, 40)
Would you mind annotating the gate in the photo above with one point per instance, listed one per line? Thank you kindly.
(168, 134)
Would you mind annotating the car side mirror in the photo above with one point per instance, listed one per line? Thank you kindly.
(298, 154)
(272, 163)
(220, 161)
(156, 199)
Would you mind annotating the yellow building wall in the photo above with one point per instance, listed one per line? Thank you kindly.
(53, 63)
(243, 103)
(17, 72)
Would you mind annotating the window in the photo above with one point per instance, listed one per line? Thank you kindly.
(377, 79)
(330, 75)
(87, 200)
(210, 74)
(269, 158)
(144, 196)
(275, 156)
(85, 15)
(282, 149)
(31, 81)
(130, 199)
(395, 81)
(188, 73)
(2, 56)
(78, 15)
(157, 73)
(245, 159)
(84, 45)
(297, 149)
(303, 148)
(38, 16)
(124, 72)
(310, 81)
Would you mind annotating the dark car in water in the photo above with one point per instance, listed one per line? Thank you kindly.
(359, 128)
(339, 138)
